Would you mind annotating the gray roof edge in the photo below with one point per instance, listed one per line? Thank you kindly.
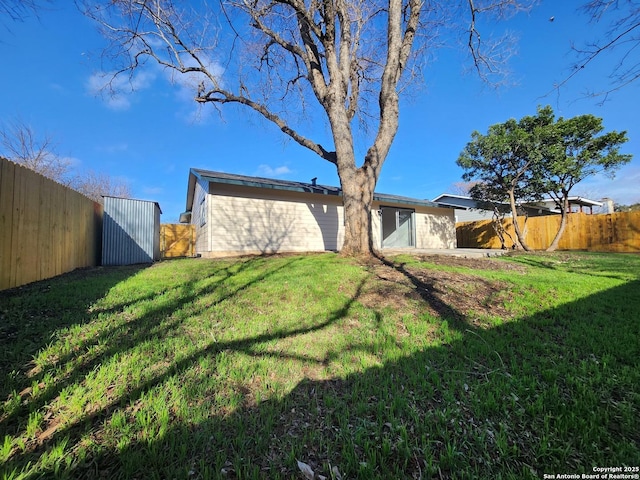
(384, 197)
(133, 199)
(260, 182)
(288, 185)
(576, 199)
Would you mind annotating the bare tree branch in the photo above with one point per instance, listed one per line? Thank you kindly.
(17, 10)
(490, 55)
(20, 144)
(335, 60)
(96, 185)
(620, 43)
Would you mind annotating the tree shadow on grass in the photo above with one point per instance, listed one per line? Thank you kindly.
(30, 314)
(554, 392)
(117, 339)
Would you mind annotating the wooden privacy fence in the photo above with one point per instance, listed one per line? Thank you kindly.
(46, 229)
(177, 240)
(616, 232)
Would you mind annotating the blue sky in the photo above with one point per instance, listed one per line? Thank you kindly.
(151, 137)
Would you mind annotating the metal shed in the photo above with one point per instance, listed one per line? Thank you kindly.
(130, 231)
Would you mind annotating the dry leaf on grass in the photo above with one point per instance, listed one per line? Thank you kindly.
(308, 472)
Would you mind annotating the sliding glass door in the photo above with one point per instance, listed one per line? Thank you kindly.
(397, 227)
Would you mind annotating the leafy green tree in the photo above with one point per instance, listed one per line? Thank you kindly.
(627, 208)
(574, 149)
(505, 163)
(538, 156)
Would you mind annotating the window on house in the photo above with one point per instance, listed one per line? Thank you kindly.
(203, 210)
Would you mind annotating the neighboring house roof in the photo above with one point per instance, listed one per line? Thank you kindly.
(465, 202)
(270, 183)
(574, 201)
(462, 202)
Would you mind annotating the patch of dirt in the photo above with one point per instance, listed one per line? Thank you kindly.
(389, 289)
(473, 263)
(452, 295)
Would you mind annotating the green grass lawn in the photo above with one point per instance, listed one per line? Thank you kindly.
(241, 368)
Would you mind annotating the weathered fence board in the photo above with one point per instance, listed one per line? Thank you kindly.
(46, 229)
(7, 174)
(615, 232)
(177, 240)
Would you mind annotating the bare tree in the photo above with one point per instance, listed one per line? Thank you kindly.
(17, 9)
(462, 188)
(345, 61)
(96, 185)
(20, 10)
(621, 43)
(21, 145)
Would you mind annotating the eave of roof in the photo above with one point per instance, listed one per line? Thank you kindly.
(446, 199)
(134, 199)
(259, 182)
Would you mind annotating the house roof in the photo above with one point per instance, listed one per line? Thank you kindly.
(289, 185)
(575, 200)
(465, 202)
(460, 201)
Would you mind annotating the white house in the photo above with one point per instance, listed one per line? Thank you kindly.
(236, 214)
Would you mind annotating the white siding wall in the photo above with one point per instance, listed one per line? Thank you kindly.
(435, 228)
(473, 215)
(253, 220)
(376, 226)
(198, 210)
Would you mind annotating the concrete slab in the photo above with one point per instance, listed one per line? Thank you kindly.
(454, 252)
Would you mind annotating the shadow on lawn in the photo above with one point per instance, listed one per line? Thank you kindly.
(120, 337)
(515, 400)
(30, 314)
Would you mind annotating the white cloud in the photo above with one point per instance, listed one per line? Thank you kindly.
(624, 188)
(269, 171)
(73, 162)
(152, 190)
(189, 83)
(114, 148)
(116, 91)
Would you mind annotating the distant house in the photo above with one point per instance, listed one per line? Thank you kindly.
(470, 210)
(236, 214)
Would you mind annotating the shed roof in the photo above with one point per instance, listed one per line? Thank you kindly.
(289, 185)
(134, 200)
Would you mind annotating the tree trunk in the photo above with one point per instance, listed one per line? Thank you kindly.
(516, 227)
(357, 194)
(563, 223)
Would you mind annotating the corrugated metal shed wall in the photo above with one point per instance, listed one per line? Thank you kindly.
(130, 231)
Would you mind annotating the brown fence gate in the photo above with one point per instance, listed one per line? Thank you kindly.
(177, 240)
